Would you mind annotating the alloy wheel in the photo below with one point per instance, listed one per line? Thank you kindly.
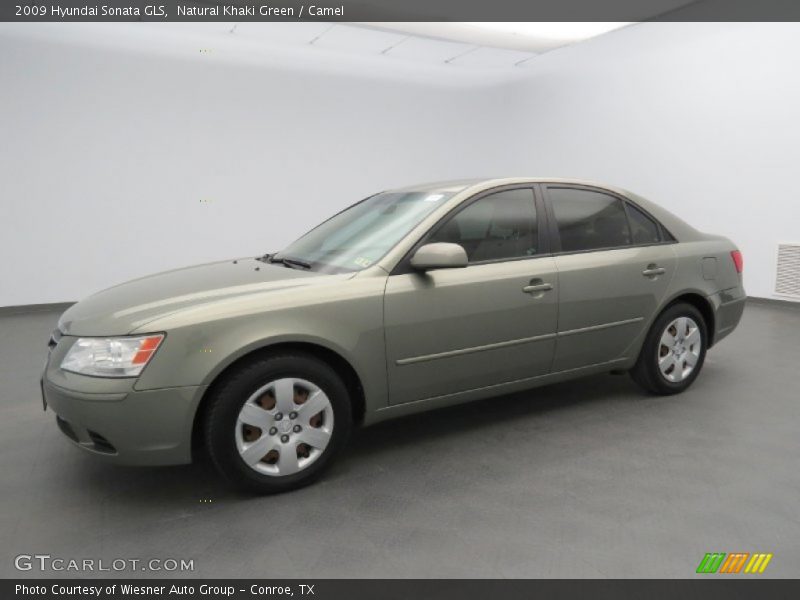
(679, 349)
(284, 426)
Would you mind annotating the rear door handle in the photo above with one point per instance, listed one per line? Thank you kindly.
(537, 287)
(653, 271)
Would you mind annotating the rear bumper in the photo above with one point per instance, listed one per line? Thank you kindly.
(728, 307)
(152, 427)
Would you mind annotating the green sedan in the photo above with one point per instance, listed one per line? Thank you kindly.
(412, 299)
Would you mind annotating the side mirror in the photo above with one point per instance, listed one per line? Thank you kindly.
(439, 256)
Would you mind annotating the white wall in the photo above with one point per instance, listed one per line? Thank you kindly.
(107, 153)
(702, 118)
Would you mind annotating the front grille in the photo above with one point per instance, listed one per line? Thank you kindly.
(54, 337)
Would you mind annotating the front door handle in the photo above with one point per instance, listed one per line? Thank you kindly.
(535, 288)
(653, 270)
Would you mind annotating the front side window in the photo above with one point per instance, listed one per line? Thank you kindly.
(589, 220)
(497, 227)
(362, 234)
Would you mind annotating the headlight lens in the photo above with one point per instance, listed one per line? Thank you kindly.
(111, 357)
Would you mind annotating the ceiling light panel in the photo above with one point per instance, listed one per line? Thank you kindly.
(281, 32)
(358, 39)
(427, 50)
(525, 37)
(556, 32)
(489, 58)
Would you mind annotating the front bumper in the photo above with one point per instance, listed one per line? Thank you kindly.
(111, 419)
(152, 427)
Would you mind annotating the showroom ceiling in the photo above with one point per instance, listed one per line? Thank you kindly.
(467, 45)
(463, 49)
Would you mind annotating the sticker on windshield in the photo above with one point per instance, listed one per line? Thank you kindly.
(362, 261)
(433, 198)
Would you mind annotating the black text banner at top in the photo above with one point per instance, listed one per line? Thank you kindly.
(399, 10)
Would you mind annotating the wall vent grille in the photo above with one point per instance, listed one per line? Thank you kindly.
(787, 278)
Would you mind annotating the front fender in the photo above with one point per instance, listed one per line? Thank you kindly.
(347, 320)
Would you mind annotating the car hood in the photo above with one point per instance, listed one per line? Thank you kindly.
(129, 306)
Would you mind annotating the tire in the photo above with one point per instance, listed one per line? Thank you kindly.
(271, 409)
(662, 349)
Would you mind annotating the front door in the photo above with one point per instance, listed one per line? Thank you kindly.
(492, 322)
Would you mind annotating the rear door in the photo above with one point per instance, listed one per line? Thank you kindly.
(614, 264)
(494, 321)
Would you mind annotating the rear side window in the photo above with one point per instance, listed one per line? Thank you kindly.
(499, 226)
(643, 229)
(589, 220)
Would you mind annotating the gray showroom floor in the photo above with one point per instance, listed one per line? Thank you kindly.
(585, 479)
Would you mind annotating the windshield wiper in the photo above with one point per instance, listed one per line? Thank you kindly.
(293, 263)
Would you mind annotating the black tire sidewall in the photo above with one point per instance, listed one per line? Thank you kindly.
(228, 399)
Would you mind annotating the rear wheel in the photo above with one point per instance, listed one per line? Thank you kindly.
(673, 351)
(277, 422)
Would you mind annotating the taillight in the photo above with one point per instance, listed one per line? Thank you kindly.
(738, 261)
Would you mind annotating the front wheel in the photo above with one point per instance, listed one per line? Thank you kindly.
(277, 422)
(673, 351)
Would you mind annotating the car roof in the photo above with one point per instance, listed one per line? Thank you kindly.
(459, 185)
(676, 226)
(454, 186)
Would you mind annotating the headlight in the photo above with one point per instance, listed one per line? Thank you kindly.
(111, 357)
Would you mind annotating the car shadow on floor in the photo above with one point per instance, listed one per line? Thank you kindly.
(460, 419)
(201, 483)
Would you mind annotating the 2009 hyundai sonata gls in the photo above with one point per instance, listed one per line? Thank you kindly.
(409, 300)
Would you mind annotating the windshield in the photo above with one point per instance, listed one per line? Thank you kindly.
(360, 235)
